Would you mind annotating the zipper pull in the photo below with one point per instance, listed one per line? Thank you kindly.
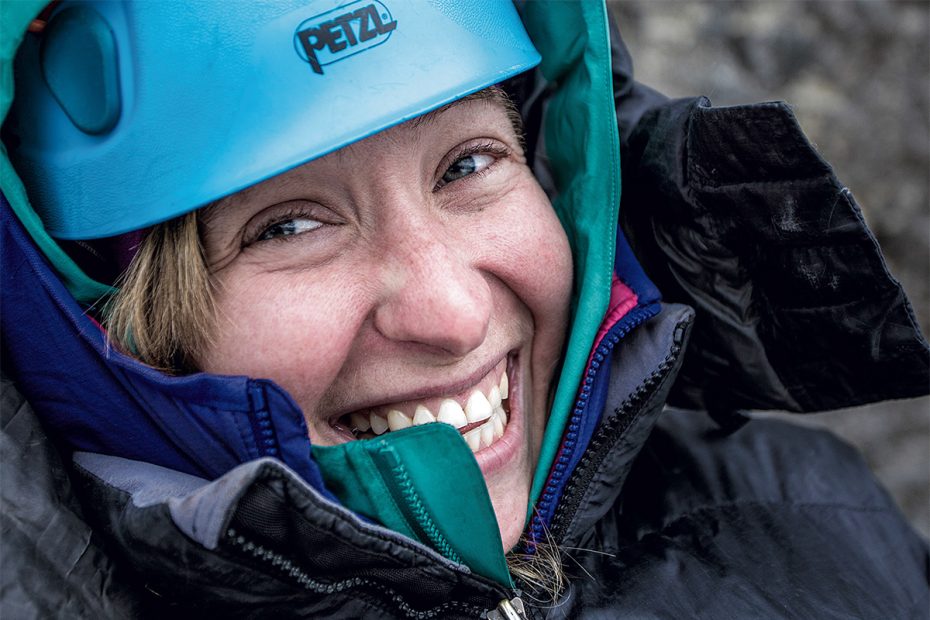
(509, 610)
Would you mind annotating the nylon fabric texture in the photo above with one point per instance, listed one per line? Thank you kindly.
(462, 518)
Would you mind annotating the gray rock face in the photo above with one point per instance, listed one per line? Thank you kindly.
(857, 74)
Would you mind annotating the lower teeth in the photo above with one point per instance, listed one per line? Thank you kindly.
(487, 433)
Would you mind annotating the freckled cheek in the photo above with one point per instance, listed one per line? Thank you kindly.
(299, 337)
(540, 265)
(554, 269)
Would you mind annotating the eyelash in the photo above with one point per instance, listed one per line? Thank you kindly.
(494, 149)
(254, 235)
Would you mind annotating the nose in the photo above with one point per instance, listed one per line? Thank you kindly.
(433, 296)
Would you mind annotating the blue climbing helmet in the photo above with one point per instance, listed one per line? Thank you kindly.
(129, 114)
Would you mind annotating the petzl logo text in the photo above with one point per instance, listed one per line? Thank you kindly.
(338, 34)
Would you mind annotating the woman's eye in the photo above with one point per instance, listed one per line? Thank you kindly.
(464, 166)
(286, 228)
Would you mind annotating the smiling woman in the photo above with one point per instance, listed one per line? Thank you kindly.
(409, 278)
(330, 311)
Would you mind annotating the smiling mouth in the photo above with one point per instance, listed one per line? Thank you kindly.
(480, 414)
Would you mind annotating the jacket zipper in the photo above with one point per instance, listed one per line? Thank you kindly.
(286, 568)
(603, 441)
(406, 498)
(550, 494)
(509, 609)
(408, 502)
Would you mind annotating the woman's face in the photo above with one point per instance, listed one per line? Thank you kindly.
(401, 279)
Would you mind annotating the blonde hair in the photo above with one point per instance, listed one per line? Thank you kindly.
(541, 573)
(163, 314)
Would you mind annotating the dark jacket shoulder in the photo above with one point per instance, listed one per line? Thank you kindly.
(732, 210)
(766, 462)
(53, 565)
(773, 520)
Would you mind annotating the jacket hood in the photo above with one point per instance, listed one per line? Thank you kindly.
(204, 424)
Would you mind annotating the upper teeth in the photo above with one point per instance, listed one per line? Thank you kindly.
(451, 412)
(397, 420)
(423, 416)
(479, 407)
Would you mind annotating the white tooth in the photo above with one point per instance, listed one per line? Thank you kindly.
(498, 427)
(423, 416)
(494, 397)
(360, 421)
(505, 386)
(477, 409)
(473, 438)
(378, 424)
(487, 434)
(451, 412)
(397, 420)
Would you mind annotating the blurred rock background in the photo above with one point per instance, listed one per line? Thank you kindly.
(857, 73)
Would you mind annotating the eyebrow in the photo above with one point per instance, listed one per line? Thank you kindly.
(493, 94)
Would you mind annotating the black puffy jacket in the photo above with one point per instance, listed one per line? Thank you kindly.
(668, 516)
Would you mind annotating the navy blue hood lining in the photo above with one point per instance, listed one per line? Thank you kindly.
(201, 424)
